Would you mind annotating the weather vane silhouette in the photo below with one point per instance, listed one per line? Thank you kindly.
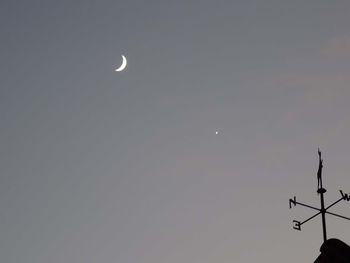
(323, 210)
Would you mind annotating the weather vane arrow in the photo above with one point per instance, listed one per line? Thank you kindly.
(323, 210)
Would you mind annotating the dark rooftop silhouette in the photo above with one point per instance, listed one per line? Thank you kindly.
(334, 251)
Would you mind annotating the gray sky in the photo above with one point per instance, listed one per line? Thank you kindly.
(100, 166)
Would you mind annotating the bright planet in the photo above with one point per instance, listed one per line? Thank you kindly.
(123, 65)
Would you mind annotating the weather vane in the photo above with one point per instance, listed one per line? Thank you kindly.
(323, 210)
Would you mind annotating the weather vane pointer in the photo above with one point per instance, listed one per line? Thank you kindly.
(323, 210)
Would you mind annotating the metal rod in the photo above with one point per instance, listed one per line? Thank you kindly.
(310, 218)
(309, 206)
(344, 217)
(323, 213)
(334, 203)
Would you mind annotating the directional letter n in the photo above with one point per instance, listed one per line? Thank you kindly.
(292, 201)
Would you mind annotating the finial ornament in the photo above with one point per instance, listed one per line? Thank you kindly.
(319, 172)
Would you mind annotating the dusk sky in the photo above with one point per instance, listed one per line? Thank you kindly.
(104, 166)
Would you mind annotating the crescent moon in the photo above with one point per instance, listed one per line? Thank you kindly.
(123, 65)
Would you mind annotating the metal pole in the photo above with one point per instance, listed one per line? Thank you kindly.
(321, 191)
(323, 213)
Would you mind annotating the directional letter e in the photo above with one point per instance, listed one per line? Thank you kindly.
(297, 225)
